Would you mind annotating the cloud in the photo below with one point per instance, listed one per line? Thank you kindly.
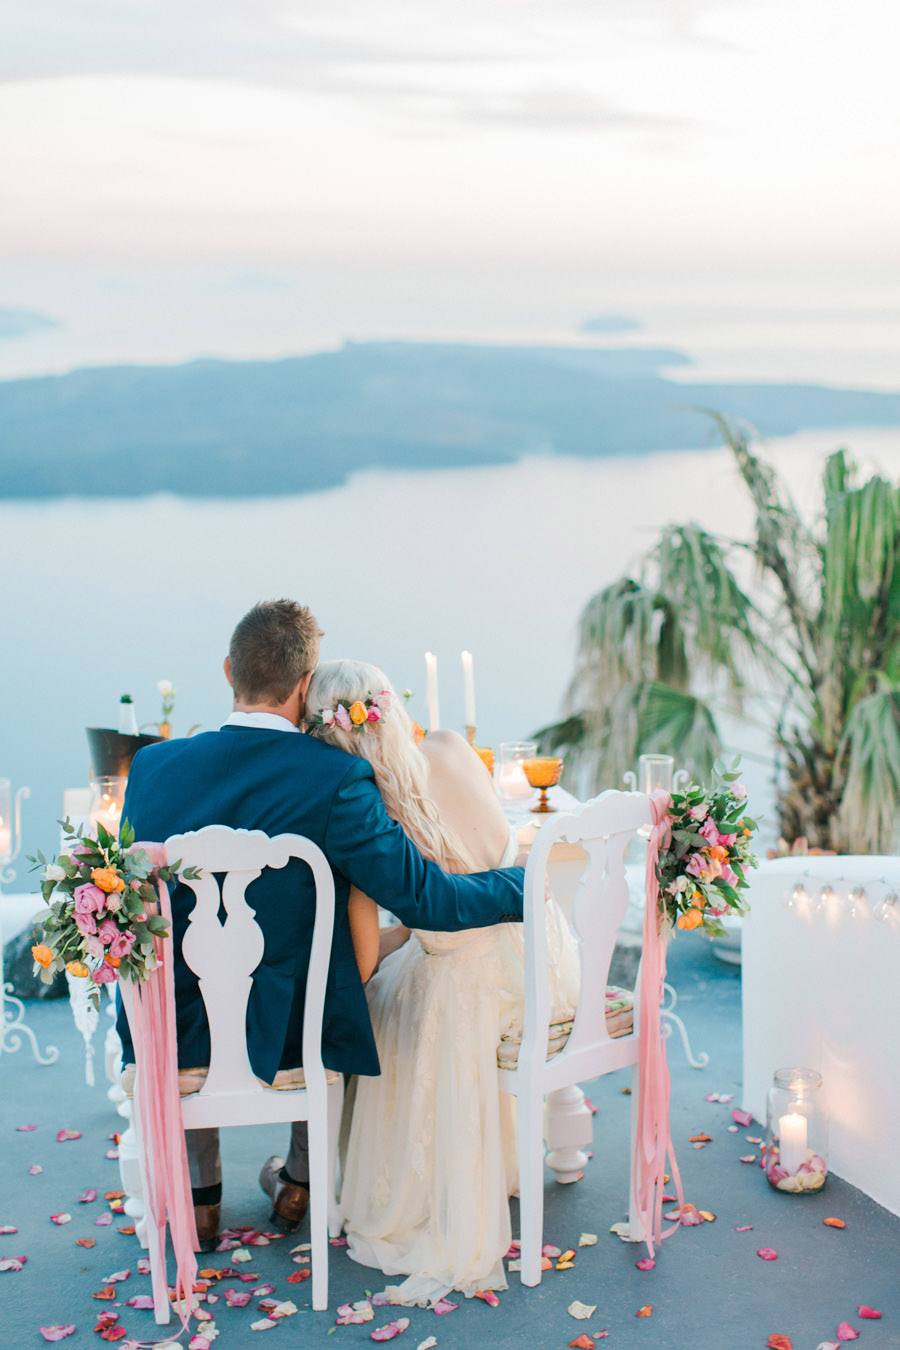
(16, 323)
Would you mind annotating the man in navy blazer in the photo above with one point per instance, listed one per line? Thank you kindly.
(257, 772)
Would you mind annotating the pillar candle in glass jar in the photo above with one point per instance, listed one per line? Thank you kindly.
(796, 1132)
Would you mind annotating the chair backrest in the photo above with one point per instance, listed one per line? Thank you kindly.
(224, 955)
(603, 828)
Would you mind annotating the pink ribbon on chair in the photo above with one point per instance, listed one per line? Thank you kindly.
(653, 1135)
(152, 1025)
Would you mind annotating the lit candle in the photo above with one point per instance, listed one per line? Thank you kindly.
(512, 783)
(434, 715)
(792, 1141)
(469, 688)
(5, 841)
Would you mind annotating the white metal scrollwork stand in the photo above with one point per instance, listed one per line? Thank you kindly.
(13, 1029)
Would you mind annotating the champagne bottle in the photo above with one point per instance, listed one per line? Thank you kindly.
(127, 720)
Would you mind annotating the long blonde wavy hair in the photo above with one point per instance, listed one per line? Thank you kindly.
(400, 768)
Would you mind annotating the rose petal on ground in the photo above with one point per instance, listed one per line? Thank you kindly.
(199, 1342)
(581, 1311)
(747, 1158)
(742, 1118)
(87, 1197)
(103, 1220)
(828, 1345)
(582, 1342)
(428, 1344)
(60, 1218)
(12, 1264)
(871, 1314)
(847, 1333)
(26, 1129)
(237, 1298)
(263, 1291)
(733, 1129)
(284, 1309)
(753, 1138)
(299, 1275)
(354, 1314)
(242, 1255)
(549, 1250)
(87, 1243)
(646, 1263)
(107, 1292)
(6, 1229)
(140, 1301)
(488, 1296)
(444, 1306)
(143, 1265)
(117, 1277)
(264, 1324)
(35, 1170)
(127, 1230)
(57, 1333)
(63, 1136)
(700, 1139)
(116, 1333)
(588, 1240)
(767, 1254)
(744, 1228)
(338, 1242)
(390, 1330)
(707, 1215)
(832, 1222)
(646, 1311)
(778, 1342)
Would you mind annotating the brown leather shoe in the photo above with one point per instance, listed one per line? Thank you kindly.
(289, 1202)
(207, 1219)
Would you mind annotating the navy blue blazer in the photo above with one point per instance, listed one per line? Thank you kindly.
(259, 779)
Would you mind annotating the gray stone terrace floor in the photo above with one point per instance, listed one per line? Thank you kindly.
(709, 1290)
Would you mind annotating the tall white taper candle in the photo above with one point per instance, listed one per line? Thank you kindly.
(469, 688)
(434, 712)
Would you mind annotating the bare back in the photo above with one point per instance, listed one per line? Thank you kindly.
(462, 790)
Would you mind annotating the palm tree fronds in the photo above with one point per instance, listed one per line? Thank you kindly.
(680, 724)
(868, 768)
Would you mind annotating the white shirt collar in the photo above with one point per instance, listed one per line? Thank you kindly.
(265, 721)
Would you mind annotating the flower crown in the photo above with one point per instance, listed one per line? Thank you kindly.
(356, 716)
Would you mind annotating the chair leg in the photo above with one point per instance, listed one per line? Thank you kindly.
(635, 1226)
(531, 1185)
(319, 1187)
(568, 1130)
(335, 1108)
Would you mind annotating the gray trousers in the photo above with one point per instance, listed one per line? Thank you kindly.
(205, 1162)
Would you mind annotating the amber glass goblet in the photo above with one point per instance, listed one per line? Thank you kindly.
(543, 772)
(486, 755)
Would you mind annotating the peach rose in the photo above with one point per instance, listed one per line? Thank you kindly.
(108, 879)
(692, 919)
(78, 969)
(42, 955)
(358, 713)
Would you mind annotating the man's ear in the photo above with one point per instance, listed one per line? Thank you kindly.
(303, 687)
(227, 669)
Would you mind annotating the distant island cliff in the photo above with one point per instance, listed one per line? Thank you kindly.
(232, 428)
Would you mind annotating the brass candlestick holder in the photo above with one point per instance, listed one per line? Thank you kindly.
(543, 772)
(470, 734)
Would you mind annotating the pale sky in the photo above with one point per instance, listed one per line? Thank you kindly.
(255, 177)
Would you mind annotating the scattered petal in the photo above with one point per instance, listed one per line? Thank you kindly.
(700, 1139)
(299, 1275)
(847, 1333)
(103, 1220)
(743, 1118)
(12, 1264)
(871, 1314)
(828, 1345)
(549, 1250)
(87, 1243)
(354, 1314)
(140, 1301)
(646, 1311)
(778, 1342)
(117, 1277)
(565, 1265)
(242, 1255)
(26, 1129)
(284, 1309)
(753, 1138)
(6, 1229)
(767, 1254)
(707, 1216)
(831, 1222)
(237, 1298)
(444, 1306)
(338, 1242)
(263, 1291)
(748, 1158)
(733, 1129)
(57, 1333)
(646, 1263)
(264, 1324)
(390, 1330)
(107, 1292)
(35, 1170)
(588, 1240)
(582, 1311)
(60, 1218)
(428, 1344)
(582, 1342)
(488, 1296)
(743, 1228)
(63, 1136)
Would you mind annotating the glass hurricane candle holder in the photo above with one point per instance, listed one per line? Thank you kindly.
(543, 772)
(512, 785)
(107, 799)
(796, 1132)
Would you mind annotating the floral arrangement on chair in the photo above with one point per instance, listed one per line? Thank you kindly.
(703, 868)
(104, 919)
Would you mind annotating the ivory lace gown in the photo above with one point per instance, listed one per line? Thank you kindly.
(430, 1161)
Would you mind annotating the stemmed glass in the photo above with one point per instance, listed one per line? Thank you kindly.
(543, 772)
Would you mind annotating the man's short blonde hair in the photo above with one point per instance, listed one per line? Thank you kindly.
(275, 644)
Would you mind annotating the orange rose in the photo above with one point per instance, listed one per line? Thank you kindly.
(42, 955)
(108, 879)
(358, 713)
(692, 919)
(718, 852)
(698, 900)
(78, 969)
(114, 961)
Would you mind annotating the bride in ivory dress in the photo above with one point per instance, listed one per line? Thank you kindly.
(430, 1157)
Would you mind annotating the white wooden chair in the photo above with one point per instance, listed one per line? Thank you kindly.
(224, 956)
(602, 828)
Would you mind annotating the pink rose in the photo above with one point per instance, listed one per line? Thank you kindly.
(85, 923)
(709, 831)
(342, 717)
(94, 947)
(727, 839)
(374, 715)
(699, 812)
(739, 790)
(697, 865)
(108, 931)
(89, 899)
(113, 903)
(121, 944)
(729, 876)
(104, 974)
